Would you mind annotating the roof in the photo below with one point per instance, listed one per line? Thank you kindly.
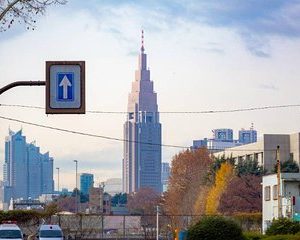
(9, 226)
(50, 227)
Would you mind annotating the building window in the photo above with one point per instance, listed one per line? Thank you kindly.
(275, 192)
(267, 193)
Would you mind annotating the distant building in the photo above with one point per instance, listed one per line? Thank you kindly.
(165, 174)
(113, 186)
(247, 136)
(98, 201)
(142, 133)
(289, 198)
(264, 151)
(223, 138)
(223, 134)
(86, 182)
(26, 172)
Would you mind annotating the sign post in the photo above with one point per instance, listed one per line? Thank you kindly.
(65, 87)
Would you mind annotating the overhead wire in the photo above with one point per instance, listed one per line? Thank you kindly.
(125, 140)
(170, 112)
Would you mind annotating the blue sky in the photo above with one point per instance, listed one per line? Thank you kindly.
(203, 55)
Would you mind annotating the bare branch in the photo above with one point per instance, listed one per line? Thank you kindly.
(23, 11)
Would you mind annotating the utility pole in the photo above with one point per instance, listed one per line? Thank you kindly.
(57, 179)
(278, 182)
(76, 189)
(157, 222)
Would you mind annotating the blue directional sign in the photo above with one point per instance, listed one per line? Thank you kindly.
(65, 87)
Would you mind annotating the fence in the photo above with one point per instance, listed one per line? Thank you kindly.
(92, 226)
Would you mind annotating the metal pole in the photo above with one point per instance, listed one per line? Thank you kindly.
(21, 83)
(102, 225)
(157, 223)
(76, 189)
(57, 179)
(124, 235)
(278, 183)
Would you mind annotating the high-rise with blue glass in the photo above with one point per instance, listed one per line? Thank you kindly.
(26, 172)
(86, 182)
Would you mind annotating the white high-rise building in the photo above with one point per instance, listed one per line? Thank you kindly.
(142, 133)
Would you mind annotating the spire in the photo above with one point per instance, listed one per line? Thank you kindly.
(142, 46)
(142, 55)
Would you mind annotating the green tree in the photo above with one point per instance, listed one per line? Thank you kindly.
(119, 199)
(288, 166)
(249, 167)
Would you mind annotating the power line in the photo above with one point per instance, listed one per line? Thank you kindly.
(89, 134)
(126, 140)
(171, 112)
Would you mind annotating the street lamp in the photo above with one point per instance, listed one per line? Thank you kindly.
(57, 179)
(76, 189)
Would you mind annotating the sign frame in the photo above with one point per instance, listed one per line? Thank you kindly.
(79, 110)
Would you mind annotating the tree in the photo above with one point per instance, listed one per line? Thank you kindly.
(188, 181)
(223, 177)
(288, 166)
(119, 199)
(249, 166)
(23, 11)
(243, 194)
(144, 201)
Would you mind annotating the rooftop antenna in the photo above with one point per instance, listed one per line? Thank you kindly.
(142, 47)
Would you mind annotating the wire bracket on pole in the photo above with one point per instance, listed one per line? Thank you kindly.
(21, 83)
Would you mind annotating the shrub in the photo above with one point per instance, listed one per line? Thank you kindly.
(283, 237)
(283, 226)
(217, 228)
(253, 236)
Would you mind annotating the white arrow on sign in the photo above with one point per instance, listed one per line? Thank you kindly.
(65, 83)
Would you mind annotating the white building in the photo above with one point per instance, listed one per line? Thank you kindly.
(113, 186)
(264, 151)
(290, 197)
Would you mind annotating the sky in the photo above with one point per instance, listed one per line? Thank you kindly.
(203, 55)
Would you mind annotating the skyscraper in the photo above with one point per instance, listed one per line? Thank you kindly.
(26, 172)
(142, 132)
(165, 174)
(86, 182)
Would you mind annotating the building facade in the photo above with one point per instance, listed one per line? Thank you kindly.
(26, 172)
(142, 133)
(247, 136)
(113, 186)
(86, 182)
(223, 138)
(264, 151)
(99, 202)
(165, 174)
(282, 202)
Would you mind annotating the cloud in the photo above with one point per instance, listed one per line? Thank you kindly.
(255, 21)
(269, 86)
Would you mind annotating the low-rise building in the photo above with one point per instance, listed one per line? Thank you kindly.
(264, 151)
(283, 202)
(99, 202)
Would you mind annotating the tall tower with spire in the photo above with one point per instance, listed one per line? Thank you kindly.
(142, 133)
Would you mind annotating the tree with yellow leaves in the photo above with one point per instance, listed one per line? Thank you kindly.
(223, 176)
